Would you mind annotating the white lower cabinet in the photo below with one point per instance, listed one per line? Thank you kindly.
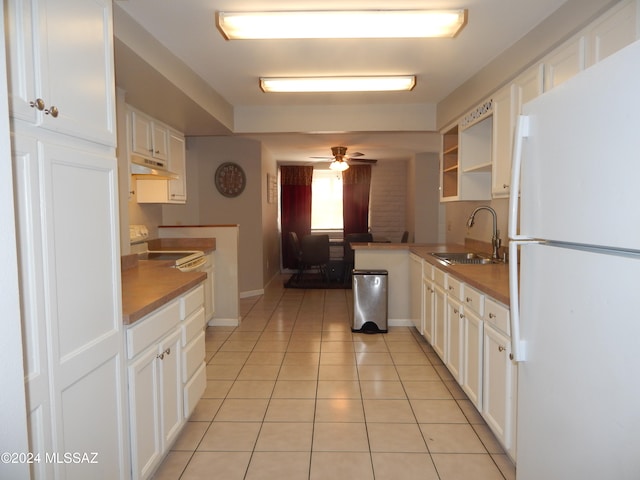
(415, 294)
(500, 377)
(194, 378)
(454, 323)
(166, 359)
(155, 395)
(473, 342)
(439, 316)
(453, 327)
(473, 350)
(428, 299)
(470, 332)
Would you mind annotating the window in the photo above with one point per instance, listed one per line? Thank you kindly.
(326, 200)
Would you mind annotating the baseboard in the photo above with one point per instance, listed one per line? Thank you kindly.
(252, 293)
(400, 322)
(224, 322)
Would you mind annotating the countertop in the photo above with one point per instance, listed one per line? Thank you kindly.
(149, 284)
(492, 279)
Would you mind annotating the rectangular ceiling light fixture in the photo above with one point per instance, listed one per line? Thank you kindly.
(341, 24)
(338, 84)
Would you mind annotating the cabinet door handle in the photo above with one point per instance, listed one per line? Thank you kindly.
(450, 289)
(53, 111)
(168, 351)
(39, 104)
(160, 356)
(491, 315)
(469, 299)
(461, 315)
(501, 348)
(505, 186)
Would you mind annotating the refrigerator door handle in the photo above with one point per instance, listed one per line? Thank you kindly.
(522, 131)
(518, 346)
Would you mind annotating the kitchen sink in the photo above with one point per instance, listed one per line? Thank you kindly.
(464, 258)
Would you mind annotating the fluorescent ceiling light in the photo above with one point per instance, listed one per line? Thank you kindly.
(338, 84)
(342, 24)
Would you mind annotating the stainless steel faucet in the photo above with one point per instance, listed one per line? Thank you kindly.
(495, 240)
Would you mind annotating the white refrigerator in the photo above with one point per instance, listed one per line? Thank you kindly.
(576, 309)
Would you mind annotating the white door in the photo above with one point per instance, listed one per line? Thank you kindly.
(439, 327)
(145, 407)
(454, 328)
(177, 164)
(61, 66)
(428, 293)
(579, 173)
(473, 352)
(497, 398)
(82, 289)
(577, 394)
(80, 80)
(171, 388)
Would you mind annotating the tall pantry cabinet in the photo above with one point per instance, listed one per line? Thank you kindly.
(62, 108)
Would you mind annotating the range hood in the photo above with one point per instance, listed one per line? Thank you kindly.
(151, 169)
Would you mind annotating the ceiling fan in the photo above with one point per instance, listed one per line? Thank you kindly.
(340, 158)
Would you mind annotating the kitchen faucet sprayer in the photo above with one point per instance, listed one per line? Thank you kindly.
(495, 240)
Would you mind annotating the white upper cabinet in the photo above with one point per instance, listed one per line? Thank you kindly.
(502, 139)
(507, 104)
(611, 32)
(61, 74)
(177, 189)
(564, 63)
(167, 191)
(476, 150)
(148, 137)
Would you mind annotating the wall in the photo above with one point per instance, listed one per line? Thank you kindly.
(457, 214)
(425, 212)
(270, 231)
(205, 206)
(388, 199)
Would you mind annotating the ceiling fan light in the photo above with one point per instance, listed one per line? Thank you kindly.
(338, 84)
(331, 24)
(339, 165)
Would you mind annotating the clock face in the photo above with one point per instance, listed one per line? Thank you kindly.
(230, 179)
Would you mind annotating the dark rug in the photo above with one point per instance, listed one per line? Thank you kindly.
(315, 280)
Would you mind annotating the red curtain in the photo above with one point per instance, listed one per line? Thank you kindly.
(295, 205)
(356, 183)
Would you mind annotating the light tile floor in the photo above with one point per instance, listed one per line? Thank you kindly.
(293, 394)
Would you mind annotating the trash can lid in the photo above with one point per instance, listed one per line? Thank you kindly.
(370, 272)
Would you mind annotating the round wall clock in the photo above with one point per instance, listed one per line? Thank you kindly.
(230, 179)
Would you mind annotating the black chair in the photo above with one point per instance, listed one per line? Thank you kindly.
(348, 257)
(296, 250)
(405, 237)
(314, 253)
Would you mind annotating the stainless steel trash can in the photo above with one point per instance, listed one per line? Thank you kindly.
(370, 296)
